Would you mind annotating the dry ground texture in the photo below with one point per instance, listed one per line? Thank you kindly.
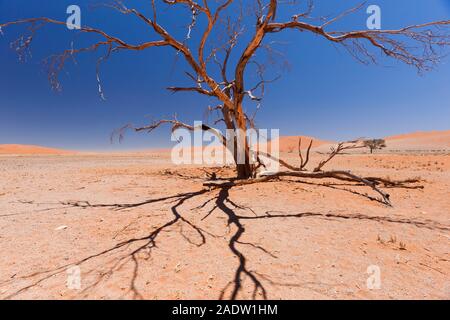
(139, 228)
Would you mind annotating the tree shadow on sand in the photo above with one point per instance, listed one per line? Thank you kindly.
(223, 205)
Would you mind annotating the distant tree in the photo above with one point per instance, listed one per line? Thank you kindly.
(375, 144)
(227, 41)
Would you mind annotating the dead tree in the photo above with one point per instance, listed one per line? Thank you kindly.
(222, 58)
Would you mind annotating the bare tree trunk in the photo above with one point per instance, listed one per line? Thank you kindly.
(241, 155)
(242, 150)
(244, 171)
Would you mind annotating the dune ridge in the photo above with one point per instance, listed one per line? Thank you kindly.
(420, 140)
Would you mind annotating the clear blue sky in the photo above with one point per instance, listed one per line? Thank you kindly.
(325, 93)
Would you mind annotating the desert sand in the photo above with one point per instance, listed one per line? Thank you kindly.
(138, 227)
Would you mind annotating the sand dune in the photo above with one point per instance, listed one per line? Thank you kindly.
(290, 143)
(431, 140)
(30, 149)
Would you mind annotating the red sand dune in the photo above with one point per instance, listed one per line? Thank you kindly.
(290, 143)
(29, 149)
(420, 140)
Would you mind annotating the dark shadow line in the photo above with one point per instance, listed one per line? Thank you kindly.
(420, 224)
(150, 242)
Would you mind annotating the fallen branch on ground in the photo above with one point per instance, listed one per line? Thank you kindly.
(340, 175)
(300, 172)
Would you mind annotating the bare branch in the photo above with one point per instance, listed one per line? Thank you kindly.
(191, 89)
(341, 147)
(428, 37)
(303, 163)
(180, 125)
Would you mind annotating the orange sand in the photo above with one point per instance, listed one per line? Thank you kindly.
(145, 229)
